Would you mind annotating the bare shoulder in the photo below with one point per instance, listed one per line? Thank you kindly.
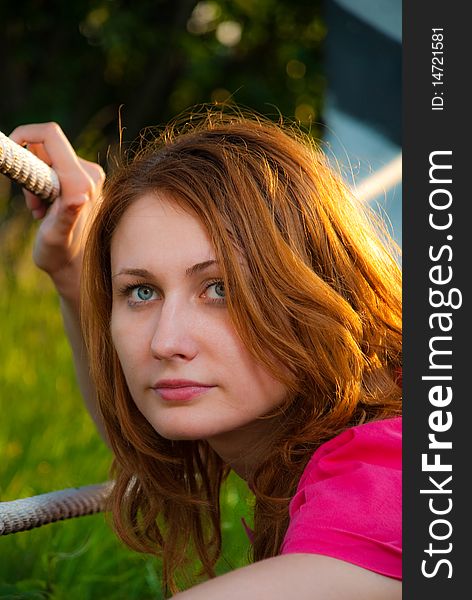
(301, 576)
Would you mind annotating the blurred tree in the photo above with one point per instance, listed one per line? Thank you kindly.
(78, 62)
(89, 63)
(85, 64)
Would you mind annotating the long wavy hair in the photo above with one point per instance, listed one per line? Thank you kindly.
(320, 294)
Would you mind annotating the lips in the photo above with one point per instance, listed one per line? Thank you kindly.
(180, 389)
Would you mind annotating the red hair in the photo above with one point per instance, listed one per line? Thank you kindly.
(321, 295)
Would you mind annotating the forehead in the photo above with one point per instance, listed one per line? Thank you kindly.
(156, 229)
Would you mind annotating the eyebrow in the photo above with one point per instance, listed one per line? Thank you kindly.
(144, 273)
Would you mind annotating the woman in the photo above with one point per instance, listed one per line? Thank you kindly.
(239, 312)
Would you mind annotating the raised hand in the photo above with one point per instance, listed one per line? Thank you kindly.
(59, 242)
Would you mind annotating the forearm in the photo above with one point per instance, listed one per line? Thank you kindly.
(301, 576)
(70, 316)
(60, 238)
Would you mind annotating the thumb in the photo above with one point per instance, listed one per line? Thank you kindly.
(65, 215)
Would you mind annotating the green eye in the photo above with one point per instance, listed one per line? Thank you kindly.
(143, 292)
(216, 291)
(220, 289)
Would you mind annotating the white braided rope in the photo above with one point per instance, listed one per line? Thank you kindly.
(27, 513)
(27, 169)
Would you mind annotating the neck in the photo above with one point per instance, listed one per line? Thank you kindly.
(246, 448)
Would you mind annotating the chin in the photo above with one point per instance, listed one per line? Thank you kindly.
(179, 436)
(181, 432)
(189, 431)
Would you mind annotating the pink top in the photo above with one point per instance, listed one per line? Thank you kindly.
(348, 501)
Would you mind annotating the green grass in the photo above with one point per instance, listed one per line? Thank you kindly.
(48, 442)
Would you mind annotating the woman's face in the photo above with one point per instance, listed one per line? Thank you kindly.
(186, 367)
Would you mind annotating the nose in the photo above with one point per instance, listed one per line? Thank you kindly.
(175, 334)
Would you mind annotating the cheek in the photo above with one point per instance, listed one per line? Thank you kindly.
(129, 360)
(126, 342)
(117, 334)
(271, 390)
(252, 378)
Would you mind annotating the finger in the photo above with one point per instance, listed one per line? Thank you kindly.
(64, 217)
(39, 151)
(33, 202)
(94, 171)
(76, 183)
(37, 206)
(39, 213)
(55, 143)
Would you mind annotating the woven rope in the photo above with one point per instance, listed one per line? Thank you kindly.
(27, 169)
(21, 515)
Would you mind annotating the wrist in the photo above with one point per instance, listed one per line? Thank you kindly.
(67, 283)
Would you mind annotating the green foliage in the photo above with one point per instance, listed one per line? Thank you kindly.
(106, 69)
(77, 62)
(48, 442)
